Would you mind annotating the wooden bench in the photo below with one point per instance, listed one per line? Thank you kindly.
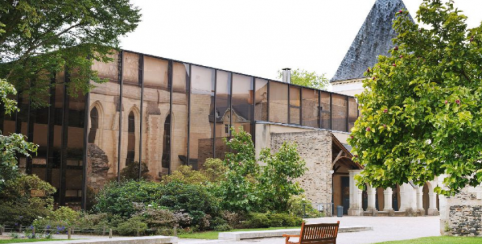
(316, 234)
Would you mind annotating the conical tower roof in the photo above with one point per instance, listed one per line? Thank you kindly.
(373, 39)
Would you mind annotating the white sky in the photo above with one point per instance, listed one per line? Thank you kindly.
(259, 37)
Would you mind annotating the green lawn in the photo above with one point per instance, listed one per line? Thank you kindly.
(28, 240)
(439, 240)
(214, 234)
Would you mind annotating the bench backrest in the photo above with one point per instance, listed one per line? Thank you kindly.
(319, 233)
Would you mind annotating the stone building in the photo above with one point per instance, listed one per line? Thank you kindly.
(374, 39)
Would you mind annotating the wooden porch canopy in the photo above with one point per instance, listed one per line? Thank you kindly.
(342, 156)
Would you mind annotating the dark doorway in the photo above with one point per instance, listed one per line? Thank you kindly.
(131, 139)
(166, 148)
(345, 193)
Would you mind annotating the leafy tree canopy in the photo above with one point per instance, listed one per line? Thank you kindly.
(39, 38)
(305, 78)
(14, 144)
(421, 108)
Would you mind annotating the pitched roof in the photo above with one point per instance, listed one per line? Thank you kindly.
(373, 39)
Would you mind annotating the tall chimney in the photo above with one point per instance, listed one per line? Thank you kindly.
(287, 75)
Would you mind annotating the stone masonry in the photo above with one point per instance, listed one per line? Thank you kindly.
(97, 167)
(315, 147)
(464, 214)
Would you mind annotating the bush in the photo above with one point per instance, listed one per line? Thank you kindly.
(295, 207)
(119, 198)
(223, 227)
(249, 187)
(185, 174)
(128, 198)
(193, 199)
(24, 199)
(284, 220)
(233, 219)
(214, 170)
(257, 220)
(131, 171)
(63, 217)
(66, 215)
(132, 227)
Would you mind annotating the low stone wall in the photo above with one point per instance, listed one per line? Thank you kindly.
(463, 214)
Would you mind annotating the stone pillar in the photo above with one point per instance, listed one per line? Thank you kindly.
(387, 193)
(355, 196)
(405, 197)
(371, 192)
(413, 195)
(420, 200)
(432, 208)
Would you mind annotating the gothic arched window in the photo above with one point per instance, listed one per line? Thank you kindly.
(131, 138)
(94, 124)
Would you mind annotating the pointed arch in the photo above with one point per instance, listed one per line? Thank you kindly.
(166, 142)
(96, 122)
(133, 130)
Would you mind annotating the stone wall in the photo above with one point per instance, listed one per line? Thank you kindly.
(315, 147)
(463, 214)
(97, 167)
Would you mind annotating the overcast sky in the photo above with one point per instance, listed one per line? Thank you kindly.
(259, 37)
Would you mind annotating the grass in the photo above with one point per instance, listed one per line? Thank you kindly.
(439, 240)
(28, 240)
(215, 234)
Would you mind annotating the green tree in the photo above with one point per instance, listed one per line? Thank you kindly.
(238, 191)
(276, 180)
(14, 144)
(39, 38)
(421, 108)
(249, 187)
(305, 78)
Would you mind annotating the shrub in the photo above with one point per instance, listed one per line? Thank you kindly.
(295, 207)
(193, 199)
(223, 227)
(257, 220)
(284, 220)
(185, 174)
(131, 171)
(158, 218)
(62, 217)
(233, 219)
(132, 226)
(119, 198)
(128, 198)
(214, 170)
(249, 187)
(66, 215)
(24, 199)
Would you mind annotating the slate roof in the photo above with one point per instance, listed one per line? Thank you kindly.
(373, 39)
